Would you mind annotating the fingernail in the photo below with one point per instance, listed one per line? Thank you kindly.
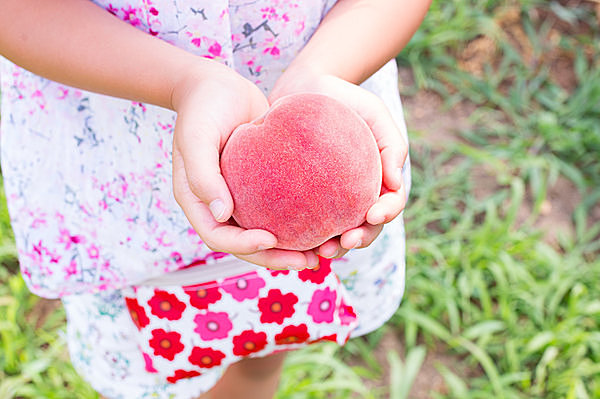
(297, 267)
(333, 255)
(358, 244)
(217, 208)
(264, 247)
(399, 175)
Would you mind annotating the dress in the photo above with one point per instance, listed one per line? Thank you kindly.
(88, 184)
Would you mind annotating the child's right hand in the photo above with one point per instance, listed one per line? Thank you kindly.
(209, 107)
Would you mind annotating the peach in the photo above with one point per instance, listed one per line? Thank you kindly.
(308, 170)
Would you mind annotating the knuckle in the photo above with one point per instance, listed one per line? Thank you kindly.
(211, 244)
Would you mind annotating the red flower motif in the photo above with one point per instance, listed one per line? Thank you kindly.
(318, 274)
(166, 305)
(276, 306)
(202, 295)
(182, 374)
(166, 344)
(292, 335)
(244, 286)
(249, 342)
(275, 273)
(332, 338)
(137, 312)
(206, 357)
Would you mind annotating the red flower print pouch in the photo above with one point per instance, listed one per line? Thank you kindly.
(188, 330)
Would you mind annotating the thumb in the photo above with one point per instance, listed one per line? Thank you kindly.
(196, 168)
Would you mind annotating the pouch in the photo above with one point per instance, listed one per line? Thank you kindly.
(185, 331)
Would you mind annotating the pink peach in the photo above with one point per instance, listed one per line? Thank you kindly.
(308, 170)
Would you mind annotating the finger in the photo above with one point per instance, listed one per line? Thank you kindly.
(392, 146)
(281, 259)
(331, 249)
(202, 170)
(360, 237)
(387, 207)
(220, 237)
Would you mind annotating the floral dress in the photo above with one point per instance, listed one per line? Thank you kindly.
(88, 184)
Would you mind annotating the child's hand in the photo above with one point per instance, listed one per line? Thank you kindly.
(392, 147)
(208, 110)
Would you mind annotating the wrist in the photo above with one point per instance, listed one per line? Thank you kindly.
(193, 73)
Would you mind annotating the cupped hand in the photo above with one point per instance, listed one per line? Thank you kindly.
(392, 147)
(210, 103)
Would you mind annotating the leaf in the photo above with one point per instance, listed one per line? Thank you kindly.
(402, 375)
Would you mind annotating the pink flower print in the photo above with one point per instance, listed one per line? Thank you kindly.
(93, 252)
(197, 41)
(269, 13)
(216, 255)
(149, 367)
(274, 51)
(300, 28)
(130, 15)
(215, 49)
(111, 9)
(212, 325)
(177, 258)
(38, 222)
(71, 270)
(346, 313)
(244, 286)
(63, 93)
(67, 239)
(322, 305)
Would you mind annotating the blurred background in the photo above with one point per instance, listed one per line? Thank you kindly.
(502, 100)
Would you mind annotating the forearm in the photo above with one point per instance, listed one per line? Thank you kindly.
(357, 37)
(79, 44)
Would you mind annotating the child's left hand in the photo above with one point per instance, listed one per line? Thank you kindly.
(392, 147)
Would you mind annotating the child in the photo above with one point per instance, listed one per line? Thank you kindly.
(91, 148)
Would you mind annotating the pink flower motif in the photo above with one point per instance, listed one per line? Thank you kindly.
(130, 14)
(322, 305)
(93, 252)
(68, 239)
(212, 325)
(197, 41)
(346, 313)
(111, 9)
(215, 49)
(274, 51)
(71, 270)
(149, 367)
(244, 286)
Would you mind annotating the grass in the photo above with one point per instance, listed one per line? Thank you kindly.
(518, 312)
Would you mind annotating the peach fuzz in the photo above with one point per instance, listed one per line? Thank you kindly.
(308, 170)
